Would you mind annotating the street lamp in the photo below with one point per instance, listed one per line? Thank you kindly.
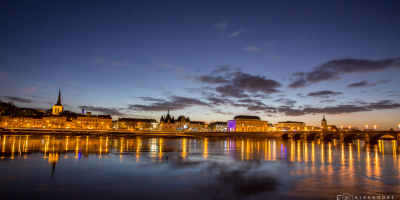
(375, 127)
(349, 128)
(341, 127)
(329, 128)
(366, 126)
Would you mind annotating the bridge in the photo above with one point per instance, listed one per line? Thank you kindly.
(345, 136)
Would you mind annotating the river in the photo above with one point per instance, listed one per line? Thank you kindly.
(44, 167)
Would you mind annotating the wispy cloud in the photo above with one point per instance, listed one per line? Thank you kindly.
(30, 89)
(333, 70)
(99, 60)
(236, 33)
(18, 99)
(221, 26)
(252, 48)
(171, 66)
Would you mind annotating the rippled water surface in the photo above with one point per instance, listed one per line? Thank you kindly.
(38, 167)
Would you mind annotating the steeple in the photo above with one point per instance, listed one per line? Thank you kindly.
(168, 110)
(323, 119)
(59, 97)
(83, 110)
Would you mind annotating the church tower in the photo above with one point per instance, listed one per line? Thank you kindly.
(58, 108)
(324, 123)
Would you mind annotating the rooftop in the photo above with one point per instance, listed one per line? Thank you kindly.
(246, 117)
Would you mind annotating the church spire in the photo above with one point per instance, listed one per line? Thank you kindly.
(59, 97)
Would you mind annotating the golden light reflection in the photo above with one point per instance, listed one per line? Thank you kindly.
(312, 152)
(205, 151)
(184, 143)
(330, 153)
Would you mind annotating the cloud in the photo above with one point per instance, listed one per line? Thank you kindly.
(212, 79)
(379, 82)
(235, 84)
(99, 60)
(30, 89)
(230, 90)
(174, 103)
(219, 111)
(222, 68)
(358, 84)
(365, 84)
(173, 67)
(236, 33)
(252, 48)
(288, 102)
(106, 111)
(221, 26)
(341, 109)
(323, 94)
(18, 99)
(332, 70)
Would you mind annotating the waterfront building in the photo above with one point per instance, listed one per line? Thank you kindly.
(290, 125)
(246, 123)
(4, 120)
(218, 126)
(167, 123)
(90, 121)
(182, 123)
(58, 108)
(197, 126)
(325, 126)
(324, 123)
(137, 124)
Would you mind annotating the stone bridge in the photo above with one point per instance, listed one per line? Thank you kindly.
(346, 136)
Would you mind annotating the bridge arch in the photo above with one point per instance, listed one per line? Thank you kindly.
(349, 137)
(285, 136)
(375, 138)
(296, 136)
(312, 136)
(328, 137)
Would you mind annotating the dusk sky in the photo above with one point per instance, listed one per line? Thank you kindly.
(208, 60)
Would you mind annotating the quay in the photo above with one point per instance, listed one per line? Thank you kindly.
(345, 136)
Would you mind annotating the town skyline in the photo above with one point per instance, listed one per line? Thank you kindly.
(282, 61)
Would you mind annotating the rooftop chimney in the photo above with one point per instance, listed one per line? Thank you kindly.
(88, 114)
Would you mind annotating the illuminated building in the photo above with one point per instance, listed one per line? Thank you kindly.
(245, 123)
(325, 126)
(167, 123)
(58, 108)
(182, 123)
(324, 123)
(4, 121)
(218, 126)
(290, 125)
(90, 121)
(137, 124)
(197, 126)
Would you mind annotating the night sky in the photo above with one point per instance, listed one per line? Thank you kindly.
(209, 60)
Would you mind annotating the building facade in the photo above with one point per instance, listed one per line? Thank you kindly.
(137, 124)
(58, 108)
(218, 126)
(290, 126)
(245, 123)
(167, 123)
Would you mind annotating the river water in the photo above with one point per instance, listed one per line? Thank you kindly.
(43, 167)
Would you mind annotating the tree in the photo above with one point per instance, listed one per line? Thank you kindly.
(391, 129)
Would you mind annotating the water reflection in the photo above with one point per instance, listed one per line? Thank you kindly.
(206, 167)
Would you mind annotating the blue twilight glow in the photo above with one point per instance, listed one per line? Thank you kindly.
(209, 60)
